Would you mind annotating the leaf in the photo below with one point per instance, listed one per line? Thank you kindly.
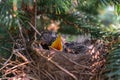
(112, 71)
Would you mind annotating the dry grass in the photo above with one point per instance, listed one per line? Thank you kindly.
(39, 64)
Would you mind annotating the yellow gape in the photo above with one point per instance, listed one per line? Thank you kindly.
(57, 44)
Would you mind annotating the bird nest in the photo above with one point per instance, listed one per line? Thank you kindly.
(55, 65)
(40, 64)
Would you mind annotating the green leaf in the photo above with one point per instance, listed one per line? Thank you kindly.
(113, 65)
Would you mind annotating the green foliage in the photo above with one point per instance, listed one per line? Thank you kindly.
(90, 6)
(117, 7)
(6, 12)
(112, 71)
(68, 29)
(54, 6)
(5, 43)
(111, 1)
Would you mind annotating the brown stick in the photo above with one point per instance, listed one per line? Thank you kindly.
(17, 66)
(49, 74)
(23, 57)
(57, 65)
(75, 62)
(34, 28)
(5, 66)
(8, 59)
(64, 70)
